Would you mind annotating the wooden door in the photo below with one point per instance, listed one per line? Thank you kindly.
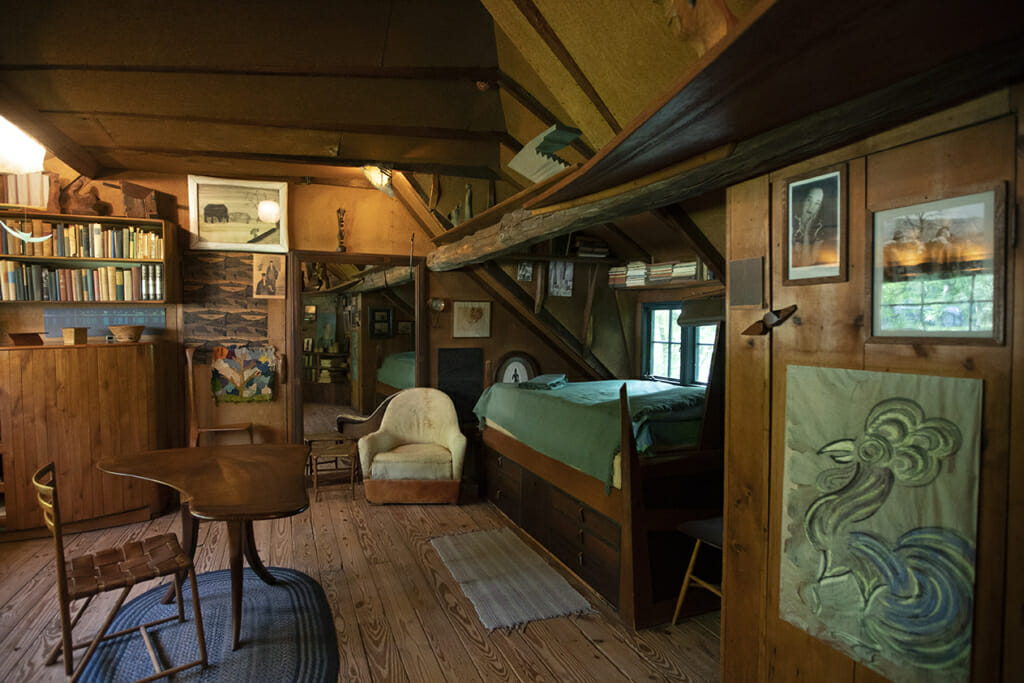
(830, 330)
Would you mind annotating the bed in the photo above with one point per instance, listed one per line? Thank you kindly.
(605, 484)
(396, 372)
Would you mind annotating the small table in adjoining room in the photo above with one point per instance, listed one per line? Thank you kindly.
(234, 484)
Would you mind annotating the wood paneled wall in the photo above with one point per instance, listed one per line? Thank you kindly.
(938, 157)
(98, 400)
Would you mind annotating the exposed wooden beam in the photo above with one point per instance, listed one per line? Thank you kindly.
(675, 217)
(494, 213)
(905, 101)
(430, 132)
(534, 106)
(414, 167)
(738, 90)
(14, 108)
(503, 288)
(432, 73)
(410, 198)
(555, 44)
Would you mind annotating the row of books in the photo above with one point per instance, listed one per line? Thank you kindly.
(638, 273)
(92, 240)
(39, 282)
(332, 370)
(590, 247)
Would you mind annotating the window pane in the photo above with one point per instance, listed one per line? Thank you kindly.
(675, 352)
(947, 290)
(901, 292)
(677, 330)
(981, 316)
(703, 363)
(660, 325)
(659, 360)
(983, 286)
(939, 317)
(706, 334)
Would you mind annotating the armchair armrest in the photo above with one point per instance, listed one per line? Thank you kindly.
(372, 444)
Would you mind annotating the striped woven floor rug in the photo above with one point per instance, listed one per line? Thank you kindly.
(507, 582)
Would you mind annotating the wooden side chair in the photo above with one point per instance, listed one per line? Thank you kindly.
(194, 430)
(705, 531)
(121, 567)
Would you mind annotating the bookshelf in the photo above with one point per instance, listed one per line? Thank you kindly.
(89, 260)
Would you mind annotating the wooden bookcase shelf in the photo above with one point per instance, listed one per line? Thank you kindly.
(67, 269)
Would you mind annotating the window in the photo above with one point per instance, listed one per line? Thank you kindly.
(673, 352)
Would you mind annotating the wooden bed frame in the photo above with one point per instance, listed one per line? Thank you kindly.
(647, 504)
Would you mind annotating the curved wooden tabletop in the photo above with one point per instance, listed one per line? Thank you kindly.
(241, 482)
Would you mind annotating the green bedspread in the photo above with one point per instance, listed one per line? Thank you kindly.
(578, 423)
(398, 370)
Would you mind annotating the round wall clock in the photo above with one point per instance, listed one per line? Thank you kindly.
(516, 367)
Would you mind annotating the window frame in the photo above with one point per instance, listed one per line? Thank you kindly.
(688, 342)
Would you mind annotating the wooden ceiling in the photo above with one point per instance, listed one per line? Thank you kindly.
(312, 91)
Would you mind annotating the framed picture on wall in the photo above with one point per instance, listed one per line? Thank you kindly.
(815, 246)
(404, 327)
(237, 215)
(939, 266)
(380, 322)
(268, 280)
(471, 319)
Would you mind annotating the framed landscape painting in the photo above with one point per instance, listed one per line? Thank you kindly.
(237, 215)
(938, 268)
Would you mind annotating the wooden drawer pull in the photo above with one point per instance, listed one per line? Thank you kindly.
(580, 533)
(581, 515)
(579, 559)
(497, 495)
(500, 461)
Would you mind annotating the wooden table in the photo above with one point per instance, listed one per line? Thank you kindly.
(233, 484)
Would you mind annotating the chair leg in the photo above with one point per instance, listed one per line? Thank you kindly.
(686, 582)
(197, 614)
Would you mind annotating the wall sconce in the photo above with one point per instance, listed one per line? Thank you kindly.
(436, 304)
(268, 211)
(380, 178)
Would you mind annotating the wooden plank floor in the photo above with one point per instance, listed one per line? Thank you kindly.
(398, 613)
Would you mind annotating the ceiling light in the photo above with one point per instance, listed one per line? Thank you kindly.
(19, 153)
(380, 178)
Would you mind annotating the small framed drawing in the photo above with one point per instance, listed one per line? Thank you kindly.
(237, 215)
(516, 367)
(815, 210)
(938, 268)
(404, 327)
(471, 319)
(380, 322)
(268, 280)
(309, 312)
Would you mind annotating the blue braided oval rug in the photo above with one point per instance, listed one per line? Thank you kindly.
(287, 633)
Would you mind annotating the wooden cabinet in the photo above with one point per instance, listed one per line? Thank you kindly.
(74, 405)
(586, 541)
(89, 259)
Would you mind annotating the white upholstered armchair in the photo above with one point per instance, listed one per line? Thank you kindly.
(417, 454)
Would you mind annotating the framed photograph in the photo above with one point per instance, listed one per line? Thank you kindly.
(404, 327)
(938, 268)
(237, 215)
(560, 276)
(471, 319)
(815, 245)
(309, 312)
(268, 280)
(380, 322)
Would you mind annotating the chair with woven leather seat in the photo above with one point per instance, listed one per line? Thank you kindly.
(122, 568)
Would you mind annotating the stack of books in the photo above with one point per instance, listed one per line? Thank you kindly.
(332, 370)
(617, 276)
(659, 272)
(636, 274)
(590, 247)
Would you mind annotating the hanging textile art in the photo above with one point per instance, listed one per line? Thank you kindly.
(879, 515)
(242, 373)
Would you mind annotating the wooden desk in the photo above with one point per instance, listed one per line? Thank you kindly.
(234, 484)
